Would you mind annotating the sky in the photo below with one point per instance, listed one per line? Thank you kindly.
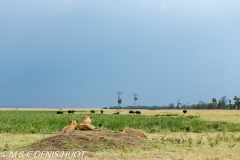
(80, 53)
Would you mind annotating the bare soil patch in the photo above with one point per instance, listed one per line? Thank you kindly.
(92, 141)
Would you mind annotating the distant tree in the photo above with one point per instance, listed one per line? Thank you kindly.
(135, 99)
(237, 102)
(119, 99)
(229, 106)
(209, 105)
(201, 105)
(214, 103)
(178, 104)
(220, 104)
(188, 105)
(184, 106)
(223, 102)
(171, 106)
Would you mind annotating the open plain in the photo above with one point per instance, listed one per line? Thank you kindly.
(198, 134)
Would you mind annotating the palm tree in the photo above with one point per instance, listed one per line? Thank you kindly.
(135, 99)
(119, 99)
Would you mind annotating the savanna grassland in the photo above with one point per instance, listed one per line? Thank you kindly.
(198, 134)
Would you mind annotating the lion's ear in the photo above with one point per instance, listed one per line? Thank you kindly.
(76, 121)
(91, 117)
(70, 121)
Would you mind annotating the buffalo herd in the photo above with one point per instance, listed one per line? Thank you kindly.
(93, 111)
(136, 112)
(101, 111)
(61, 112)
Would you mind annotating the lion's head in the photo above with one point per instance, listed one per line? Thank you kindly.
(87, 120)
(74, 122)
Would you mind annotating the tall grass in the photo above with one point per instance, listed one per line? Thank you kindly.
(50, 122)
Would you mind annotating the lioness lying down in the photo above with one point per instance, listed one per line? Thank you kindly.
(86, 124)
(71, 127)
(136, 132)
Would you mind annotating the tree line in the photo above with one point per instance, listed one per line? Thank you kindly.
(222, 103)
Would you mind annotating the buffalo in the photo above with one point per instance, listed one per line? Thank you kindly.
(184, 111)
(71, 111)
(92, 111)
(101, 111)
(131, 112)
(137, 112)
(59, 112)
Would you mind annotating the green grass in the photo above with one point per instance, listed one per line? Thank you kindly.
(48, 122)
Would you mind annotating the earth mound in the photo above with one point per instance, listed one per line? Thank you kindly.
(92, 141)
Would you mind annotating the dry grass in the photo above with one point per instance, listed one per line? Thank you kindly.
(10, 141)
(163, 145)
(199, 145)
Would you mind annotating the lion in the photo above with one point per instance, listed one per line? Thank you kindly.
(86, 124)
(71, 127)
(136, 132)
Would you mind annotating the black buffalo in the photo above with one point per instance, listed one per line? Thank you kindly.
(137, 112)
(131, 112)
(92, 111)
(59, 112)
(71, 111)
(101, 111)
(184, 111)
